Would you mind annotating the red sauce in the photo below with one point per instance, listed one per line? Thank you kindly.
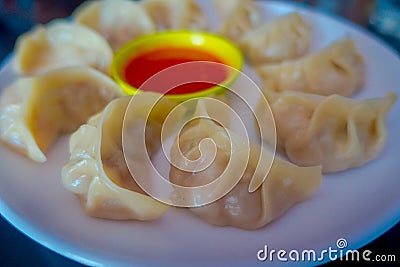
(197, 77)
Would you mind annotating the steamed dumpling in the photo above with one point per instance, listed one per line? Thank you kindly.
(338, 69)
(118, 21)
(286, 37)
(97, 171)
(284, 186)
(336, 132)
(176, 14)
(236, 17)
(61, 44)
(34, 111)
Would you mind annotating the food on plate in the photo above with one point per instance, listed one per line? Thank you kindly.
(335, 132)
(337, 69)
(236, 17)
(286, 37)
(285, 185)
(97, 171)
(176, 14)
(118, 21)
(318, 128)
(35, 110)
(61, 44)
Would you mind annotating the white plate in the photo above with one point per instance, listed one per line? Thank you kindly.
(358, 205)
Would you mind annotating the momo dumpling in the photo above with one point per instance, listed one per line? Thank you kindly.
(284, 38)
(285, 186)
(338, 69)
(98, 172)
(35, 110)
(176, 14)
(240, 162)
(61, 44)
(118, 21)
(236, 17)
(335, 132)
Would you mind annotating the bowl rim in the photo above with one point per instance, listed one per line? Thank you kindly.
(141, 41)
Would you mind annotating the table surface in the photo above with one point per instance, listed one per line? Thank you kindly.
(17, 17)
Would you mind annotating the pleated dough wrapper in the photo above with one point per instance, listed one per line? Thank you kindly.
(176, 14)
(287, 37)
(35, 110)
(338, 69)
(236, 17)
(61, 44)
(285, 185)
(335, 132)
(97, 171)
(118, 21)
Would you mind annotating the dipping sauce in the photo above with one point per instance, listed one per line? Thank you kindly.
(204, 76)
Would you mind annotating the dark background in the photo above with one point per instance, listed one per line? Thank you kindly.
(17, 17)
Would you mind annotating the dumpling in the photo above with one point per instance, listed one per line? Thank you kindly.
(236, 17)
(338, 69)
(240, 163)
(176, 14)
(118, 21)
(286, 37)
(335, 132)
(35, 110)
(61, 44)
(98, 172)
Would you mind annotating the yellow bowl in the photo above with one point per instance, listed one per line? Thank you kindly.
(217, 46)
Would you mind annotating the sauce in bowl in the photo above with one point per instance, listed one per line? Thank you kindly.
(143, 67)
(179, 64)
